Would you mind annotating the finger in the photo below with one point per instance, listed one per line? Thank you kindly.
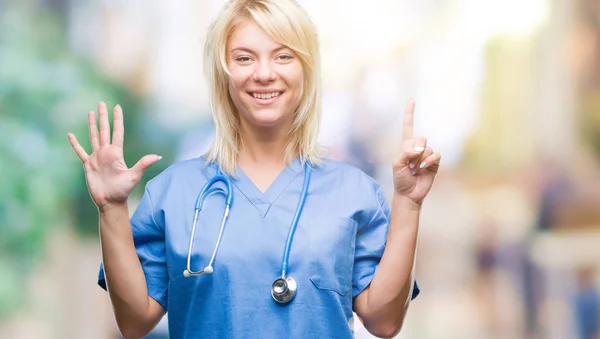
(413, 148)
(118, 129)
(408, 154)
(77, 148)
(420, 144)
(408, 120)
(432, 162)
(144, 163)
(93, 130)
(104, 125)
(417, 163)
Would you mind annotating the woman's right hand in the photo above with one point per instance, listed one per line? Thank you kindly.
(109, 181)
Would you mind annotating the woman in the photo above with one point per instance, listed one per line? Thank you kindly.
(347, 253)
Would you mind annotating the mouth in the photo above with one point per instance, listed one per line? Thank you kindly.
(265, 99)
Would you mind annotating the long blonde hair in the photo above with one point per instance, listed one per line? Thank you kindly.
(287, 23)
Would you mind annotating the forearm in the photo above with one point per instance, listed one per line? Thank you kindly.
(123, 272)
(391, 288)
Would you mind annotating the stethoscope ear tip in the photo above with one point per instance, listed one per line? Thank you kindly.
(207, 270)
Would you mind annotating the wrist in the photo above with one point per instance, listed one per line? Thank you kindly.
(110, 208)
(407, 203)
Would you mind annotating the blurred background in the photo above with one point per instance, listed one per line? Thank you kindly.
(507, 90)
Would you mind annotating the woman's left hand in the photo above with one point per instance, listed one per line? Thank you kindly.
(416, 167)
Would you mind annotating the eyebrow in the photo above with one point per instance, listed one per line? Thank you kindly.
(246, 49)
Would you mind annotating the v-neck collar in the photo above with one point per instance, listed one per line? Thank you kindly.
(263, 201)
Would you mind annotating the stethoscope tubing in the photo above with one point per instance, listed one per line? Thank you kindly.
(284, 288)
(292, 231)
(205, 192)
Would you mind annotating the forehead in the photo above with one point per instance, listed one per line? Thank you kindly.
(248, 34)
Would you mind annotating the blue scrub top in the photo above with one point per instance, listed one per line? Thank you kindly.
(336, 249)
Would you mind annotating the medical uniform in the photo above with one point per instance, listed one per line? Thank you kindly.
(335, 251)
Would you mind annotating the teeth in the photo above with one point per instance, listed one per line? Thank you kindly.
(265, 95)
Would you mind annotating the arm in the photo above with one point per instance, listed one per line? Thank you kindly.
(136, 313)
(383, 305)
(110, 182)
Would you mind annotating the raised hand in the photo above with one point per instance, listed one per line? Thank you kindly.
(416, 167)
(108, 179)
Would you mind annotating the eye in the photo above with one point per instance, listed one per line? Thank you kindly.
(284, 57)
(243, 59)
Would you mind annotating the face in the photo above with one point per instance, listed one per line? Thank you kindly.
(267, 77)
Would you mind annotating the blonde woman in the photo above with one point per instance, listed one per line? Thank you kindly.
(261, 237)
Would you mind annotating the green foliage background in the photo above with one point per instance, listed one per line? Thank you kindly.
(45, 92)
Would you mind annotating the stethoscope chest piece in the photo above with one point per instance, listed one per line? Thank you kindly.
(283, 290)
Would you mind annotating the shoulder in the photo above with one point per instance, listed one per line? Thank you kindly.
(180, 173)
(346, 175)
(355, 191)
(348, 191)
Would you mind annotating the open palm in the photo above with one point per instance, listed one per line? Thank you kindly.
(108, 179)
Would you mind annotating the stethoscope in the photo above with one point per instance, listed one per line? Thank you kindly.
(284, 287)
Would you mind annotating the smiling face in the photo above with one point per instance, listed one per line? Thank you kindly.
(267, 78)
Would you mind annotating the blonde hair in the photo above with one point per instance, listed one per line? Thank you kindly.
(287, 23)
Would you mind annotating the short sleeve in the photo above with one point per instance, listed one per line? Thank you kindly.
(370, 244)
(149, 240)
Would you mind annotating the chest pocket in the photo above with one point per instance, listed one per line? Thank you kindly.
(332, 244)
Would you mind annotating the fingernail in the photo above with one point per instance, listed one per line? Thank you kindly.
(159, 157)
(423, 164)
(411, 165)
(413, 172)
(419, 149)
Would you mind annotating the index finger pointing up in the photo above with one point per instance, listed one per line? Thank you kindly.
(408, 121)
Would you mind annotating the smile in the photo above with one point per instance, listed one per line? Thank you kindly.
(265, 99)
(265, 95)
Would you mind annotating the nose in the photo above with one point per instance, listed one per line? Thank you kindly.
(264, 72)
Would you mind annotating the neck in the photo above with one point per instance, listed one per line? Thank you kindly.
(264, 146)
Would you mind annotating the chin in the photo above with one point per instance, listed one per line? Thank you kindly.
(268, 118)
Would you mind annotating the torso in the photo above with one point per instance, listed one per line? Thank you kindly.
(235, 300)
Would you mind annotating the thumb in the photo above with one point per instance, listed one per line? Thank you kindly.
(409, 152)
(144, 163)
